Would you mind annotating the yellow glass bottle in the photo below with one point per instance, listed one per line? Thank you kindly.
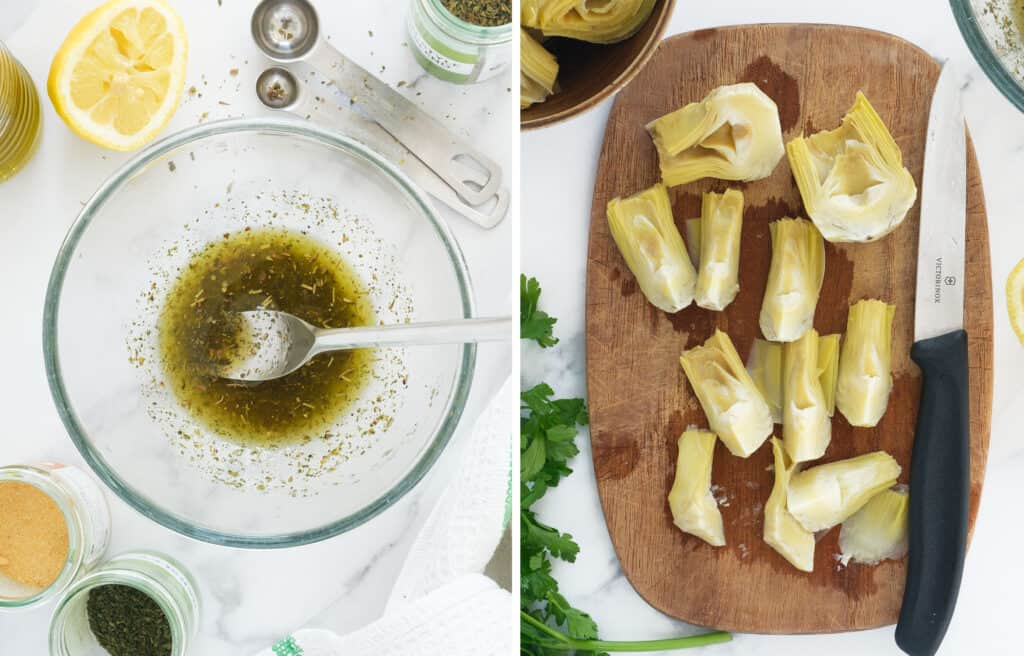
(20, 120)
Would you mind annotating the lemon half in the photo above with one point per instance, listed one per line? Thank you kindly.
(118, 76)
(1015, 299)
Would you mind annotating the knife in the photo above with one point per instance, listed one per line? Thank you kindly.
(940, 465)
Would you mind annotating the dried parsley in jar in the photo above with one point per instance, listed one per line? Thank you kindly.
(462, 41)
(488, 13)
(127, 622)
(141, 603)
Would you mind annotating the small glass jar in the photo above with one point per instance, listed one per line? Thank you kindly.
(85, 511)
(160, 577)
(452, 49)
(20, 116)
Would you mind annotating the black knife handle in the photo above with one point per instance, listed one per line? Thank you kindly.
(940, 473)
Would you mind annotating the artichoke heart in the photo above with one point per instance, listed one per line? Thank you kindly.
(538, 70)
(852, 179)
(865, 363)
(735, 409)
(765, 367)
(794, 280)
(721, 223)
(693, 241)
(595, 21)
(646, 234)
(733, 134)
(826, 495)
(878, 531)
(806, 425)
(694, 509)
(828, 368)
(781, 530)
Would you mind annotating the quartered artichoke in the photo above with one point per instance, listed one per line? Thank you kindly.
(721, 223)
(828, 368)
(781, 530)
(794, 280)
(693, 241)
(646, 234)
(806, 424)
(735, 409)
(733, 134)
(878, 531)
(852, 179)
(603, 21)
(694, 509)
(538, 70)
(765, 367)
(865, 363)
(826, 495)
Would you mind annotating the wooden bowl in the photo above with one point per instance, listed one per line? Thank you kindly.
(588, 73)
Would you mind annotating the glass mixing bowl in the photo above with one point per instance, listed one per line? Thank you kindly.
(126, 248)
(994, 32)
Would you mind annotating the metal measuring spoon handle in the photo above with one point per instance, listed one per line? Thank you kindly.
(288, 30)
(279, 89)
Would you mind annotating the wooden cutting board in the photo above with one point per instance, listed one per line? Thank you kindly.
(640, 400)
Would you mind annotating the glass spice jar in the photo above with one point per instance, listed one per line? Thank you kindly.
(452, 49)
(160, 577)
(20, 117)
(86, 515)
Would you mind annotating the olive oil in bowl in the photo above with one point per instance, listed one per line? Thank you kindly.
(198, 331)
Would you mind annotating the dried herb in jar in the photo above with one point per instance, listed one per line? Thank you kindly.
(128, 622)
(487, 13)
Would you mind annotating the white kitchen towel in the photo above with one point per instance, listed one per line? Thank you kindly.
(441, 603)
(461, 534)
(469, 617)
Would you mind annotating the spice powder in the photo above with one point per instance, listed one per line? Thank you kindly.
(33, 535)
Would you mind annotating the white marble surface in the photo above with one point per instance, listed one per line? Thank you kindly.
(556, 211)
(250, 598)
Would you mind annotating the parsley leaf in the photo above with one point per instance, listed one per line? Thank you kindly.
(533, 323)
(548, 624)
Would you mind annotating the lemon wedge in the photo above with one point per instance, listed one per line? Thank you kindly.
(118, 76)
(1015, 299)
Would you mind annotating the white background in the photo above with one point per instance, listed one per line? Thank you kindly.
(558, 177)
(251, 599)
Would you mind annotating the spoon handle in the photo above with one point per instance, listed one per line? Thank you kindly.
(459, 331)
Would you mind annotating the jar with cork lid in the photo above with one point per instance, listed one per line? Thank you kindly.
(54, 526)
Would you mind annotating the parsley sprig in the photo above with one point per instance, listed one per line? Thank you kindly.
(549, 624)
(533, 323)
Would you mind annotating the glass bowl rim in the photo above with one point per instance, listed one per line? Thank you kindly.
(978, 44)
(291, 128)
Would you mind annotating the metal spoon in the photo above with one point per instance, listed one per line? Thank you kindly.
(279, 89)
(289, 31)
(278, 343)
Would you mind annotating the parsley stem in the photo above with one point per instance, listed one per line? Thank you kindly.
(566, 642)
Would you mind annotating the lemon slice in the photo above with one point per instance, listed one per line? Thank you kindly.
(117, 79)
(1015, 299)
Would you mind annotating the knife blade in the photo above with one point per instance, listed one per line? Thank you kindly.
(939, 306)
(940, 464)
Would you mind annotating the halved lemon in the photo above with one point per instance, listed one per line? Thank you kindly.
(1015, 299)
(117, 79)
